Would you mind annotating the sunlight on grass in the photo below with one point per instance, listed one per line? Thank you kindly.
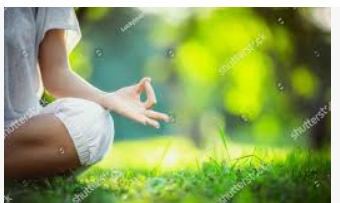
(175, 152)
(171, 168)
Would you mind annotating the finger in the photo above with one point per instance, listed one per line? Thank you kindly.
(140, 118)
(152, 122)
(151, 97)
(156, 115)
(141, 84)
(143, 119)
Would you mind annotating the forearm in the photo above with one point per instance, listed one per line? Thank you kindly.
(66, 83)
(57, 75)
(61, 81)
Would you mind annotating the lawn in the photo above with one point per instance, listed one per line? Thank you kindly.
(171, 169)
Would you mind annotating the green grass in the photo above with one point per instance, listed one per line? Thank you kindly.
(172, 170)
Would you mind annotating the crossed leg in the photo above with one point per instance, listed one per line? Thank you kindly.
(41, 147)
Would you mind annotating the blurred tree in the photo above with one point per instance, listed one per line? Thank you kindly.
(270, 87)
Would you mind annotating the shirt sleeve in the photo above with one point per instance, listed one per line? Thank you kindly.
(58, 18)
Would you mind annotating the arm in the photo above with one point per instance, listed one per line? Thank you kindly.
(61, 81)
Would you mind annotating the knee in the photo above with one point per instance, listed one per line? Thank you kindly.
(97, 134)
(90, 127)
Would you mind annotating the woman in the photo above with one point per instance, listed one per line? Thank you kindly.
(76, 130)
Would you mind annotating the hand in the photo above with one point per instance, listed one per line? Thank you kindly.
(127, 102)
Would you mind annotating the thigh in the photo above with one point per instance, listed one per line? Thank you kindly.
(40, 147)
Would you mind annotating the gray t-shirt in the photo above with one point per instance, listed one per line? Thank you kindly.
(25, 29)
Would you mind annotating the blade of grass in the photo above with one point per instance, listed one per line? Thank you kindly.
(224, 140)
(155, 170)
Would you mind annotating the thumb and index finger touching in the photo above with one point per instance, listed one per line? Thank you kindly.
(145, 85)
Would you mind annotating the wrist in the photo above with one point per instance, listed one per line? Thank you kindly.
(102, 100)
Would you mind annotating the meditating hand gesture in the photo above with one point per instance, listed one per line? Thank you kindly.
(127, 102)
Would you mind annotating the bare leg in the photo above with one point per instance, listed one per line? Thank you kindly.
(39, 148)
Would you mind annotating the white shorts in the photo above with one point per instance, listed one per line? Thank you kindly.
(89, 125)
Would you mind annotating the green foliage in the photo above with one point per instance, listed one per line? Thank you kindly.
(272, 76)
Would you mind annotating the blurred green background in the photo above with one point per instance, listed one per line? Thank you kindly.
(238, 83)
(270, 87)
